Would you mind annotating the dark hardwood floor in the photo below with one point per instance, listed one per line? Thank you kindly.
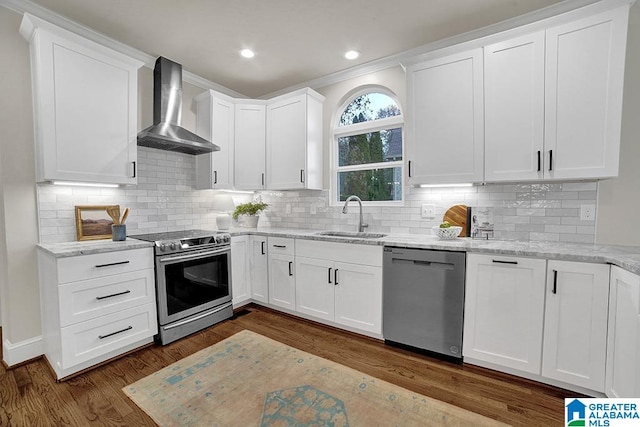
(29, 395)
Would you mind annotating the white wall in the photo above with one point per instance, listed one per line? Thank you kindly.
(19, 279)
(619, 198)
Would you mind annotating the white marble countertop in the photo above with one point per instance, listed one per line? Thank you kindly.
(627, 257)
(87, 247)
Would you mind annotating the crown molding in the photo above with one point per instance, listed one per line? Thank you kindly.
(557, 13)
(26, 6)
(567, 9)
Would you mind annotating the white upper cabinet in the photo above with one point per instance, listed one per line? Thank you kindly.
(514, 109)
(215, 122)
(294, 141)
(583, 95)
(85, 107)
(250, 147)
(445, 117)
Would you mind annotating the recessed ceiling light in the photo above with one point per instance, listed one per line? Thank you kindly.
(247, 53)
(352, 54)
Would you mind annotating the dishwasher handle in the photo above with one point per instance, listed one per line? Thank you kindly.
(434, 264)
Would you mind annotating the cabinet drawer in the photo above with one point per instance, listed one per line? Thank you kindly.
(88, 299)
(84, 341)
(86, 267)
(281, 245)
(344, 252)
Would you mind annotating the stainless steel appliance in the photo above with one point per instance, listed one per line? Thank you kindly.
(193, 281)
(423, 300)
(166, 133)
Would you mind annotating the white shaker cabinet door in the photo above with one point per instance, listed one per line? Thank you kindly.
(315, 287)
(575, 323)
(445, 141)
(215, 120)
(358, 296)
(240, 286)
(504, 309)
(85, 104)
(282, 282)
(623, 349)
(514, 108)
(583, 96)
(258, 269)
(250, 146)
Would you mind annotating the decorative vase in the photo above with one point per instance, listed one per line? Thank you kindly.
(249, 221)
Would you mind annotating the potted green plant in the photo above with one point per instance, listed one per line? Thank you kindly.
(249, 212)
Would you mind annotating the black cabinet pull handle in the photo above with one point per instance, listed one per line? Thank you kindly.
(302, 176)
(335, 277)
(555, 282)
(114, 333)
(550, 160)
(113, 295)
(262, 248)
(539, 164)
(409, 168)
(280, 246)
(112, 264)
(134, 169)
(263, 179)
(290, 267)
(497, 261)
(329, 276)
(215, 177)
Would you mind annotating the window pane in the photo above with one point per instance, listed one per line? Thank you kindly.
(373, 147)
(367, 107)
(372, 185)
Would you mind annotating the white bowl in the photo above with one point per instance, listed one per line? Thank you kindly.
(447, 233)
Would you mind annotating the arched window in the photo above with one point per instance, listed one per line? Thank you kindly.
(368, 146)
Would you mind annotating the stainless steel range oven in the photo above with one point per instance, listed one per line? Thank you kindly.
(193, 281)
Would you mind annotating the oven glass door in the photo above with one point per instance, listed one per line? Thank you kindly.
(191, 282)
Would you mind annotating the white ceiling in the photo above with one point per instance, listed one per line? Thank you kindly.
(295, 41)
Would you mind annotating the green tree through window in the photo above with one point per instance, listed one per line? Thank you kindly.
(369, 162)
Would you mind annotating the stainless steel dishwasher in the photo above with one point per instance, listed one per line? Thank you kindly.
(423, 299)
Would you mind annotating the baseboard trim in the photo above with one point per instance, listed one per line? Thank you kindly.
(16, 353)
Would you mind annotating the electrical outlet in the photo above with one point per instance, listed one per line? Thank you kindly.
(587, 212)
(287, 209)
(312, 209)
(428, 211)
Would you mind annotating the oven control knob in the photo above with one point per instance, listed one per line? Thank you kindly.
(173, 246)
(163, 247)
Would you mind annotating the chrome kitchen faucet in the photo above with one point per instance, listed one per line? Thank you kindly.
(345, 209)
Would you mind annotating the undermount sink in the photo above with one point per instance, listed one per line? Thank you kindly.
(352, 234)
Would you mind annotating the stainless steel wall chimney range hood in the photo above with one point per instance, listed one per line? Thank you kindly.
(166, 132)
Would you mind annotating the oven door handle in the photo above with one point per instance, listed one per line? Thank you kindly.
(192, 255)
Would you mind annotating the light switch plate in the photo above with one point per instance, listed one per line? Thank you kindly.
(428, 211)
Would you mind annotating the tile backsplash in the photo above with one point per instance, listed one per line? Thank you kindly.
(165, 200)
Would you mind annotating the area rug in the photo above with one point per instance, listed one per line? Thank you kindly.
(251, 380)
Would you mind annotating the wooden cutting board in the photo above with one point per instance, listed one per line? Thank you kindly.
(457, 215)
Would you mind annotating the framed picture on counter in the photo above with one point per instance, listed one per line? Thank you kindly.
(94, 222)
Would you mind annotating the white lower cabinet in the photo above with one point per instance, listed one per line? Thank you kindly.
(258, 268)
(95, 307)
(544, 318)
(340, 283)
(575, 323)
(282, 281)
(504, 308)
(240, 278)
(623, 349)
